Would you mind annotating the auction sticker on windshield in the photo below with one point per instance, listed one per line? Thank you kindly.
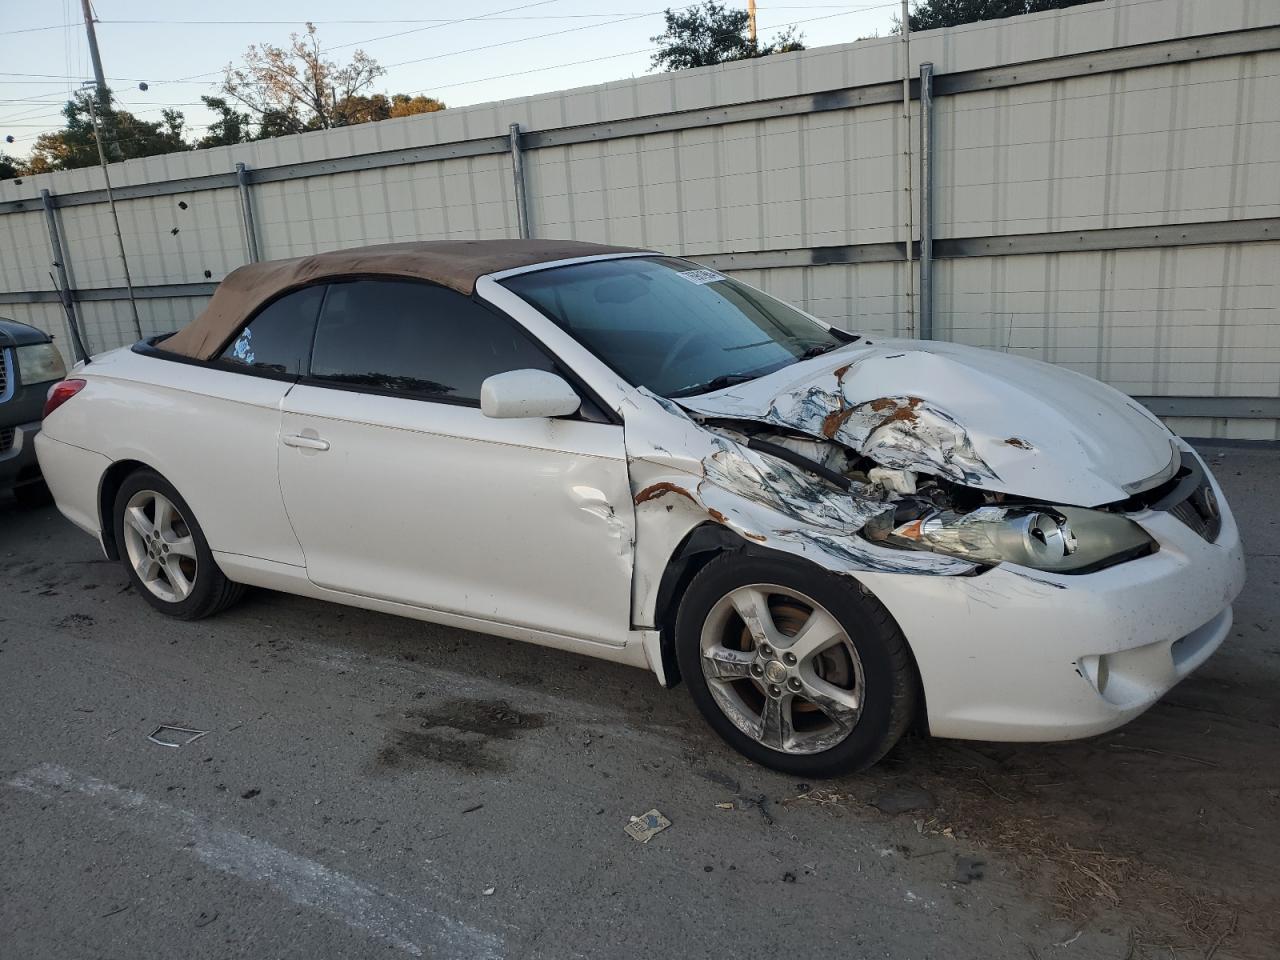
(701, 276)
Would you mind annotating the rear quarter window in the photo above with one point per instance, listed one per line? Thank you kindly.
(278, 338)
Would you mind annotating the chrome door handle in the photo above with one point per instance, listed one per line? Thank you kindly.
(305, 443)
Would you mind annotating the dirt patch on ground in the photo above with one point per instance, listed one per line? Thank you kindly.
(1165, 827)
(457, 732)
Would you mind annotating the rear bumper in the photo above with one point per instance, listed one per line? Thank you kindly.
(1016, 654)
(74, 476)
(18, 463)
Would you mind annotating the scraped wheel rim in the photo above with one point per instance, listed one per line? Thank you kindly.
(160, 546)
(782, 669)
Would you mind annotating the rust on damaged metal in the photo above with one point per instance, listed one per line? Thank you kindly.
(660, 489)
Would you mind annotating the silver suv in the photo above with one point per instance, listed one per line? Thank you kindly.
(29, 363)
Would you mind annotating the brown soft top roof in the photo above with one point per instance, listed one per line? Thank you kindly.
(451, 263)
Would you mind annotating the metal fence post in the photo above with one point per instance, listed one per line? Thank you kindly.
(926, 201)
(246, 213)
(517, 170)
(60, 264)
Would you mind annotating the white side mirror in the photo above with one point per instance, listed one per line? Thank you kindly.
(527, 393)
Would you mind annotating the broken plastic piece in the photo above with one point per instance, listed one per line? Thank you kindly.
(167, 736)
(646, 826)
(901, 482)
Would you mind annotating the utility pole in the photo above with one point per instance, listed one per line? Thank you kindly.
(751, 19)
(85, 5)
(93, 44)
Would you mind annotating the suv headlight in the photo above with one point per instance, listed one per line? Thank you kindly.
(1061, 539)
(39, 363)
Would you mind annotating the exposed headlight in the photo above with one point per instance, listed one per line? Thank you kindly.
(1062, 539)
(39, 363)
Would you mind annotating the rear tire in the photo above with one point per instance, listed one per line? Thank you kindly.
(797, 668)
(165, 552)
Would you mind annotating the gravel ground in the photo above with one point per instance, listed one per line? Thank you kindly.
(376, 786)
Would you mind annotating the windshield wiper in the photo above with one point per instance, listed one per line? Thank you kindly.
(715, 383)
(818, 349)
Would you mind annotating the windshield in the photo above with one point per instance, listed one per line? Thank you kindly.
(671, 326)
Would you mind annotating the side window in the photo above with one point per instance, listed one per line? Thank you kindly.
(278, 338)
(417, 339)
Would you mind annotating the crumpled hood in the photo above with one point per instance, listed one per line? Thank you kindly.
(977, 417)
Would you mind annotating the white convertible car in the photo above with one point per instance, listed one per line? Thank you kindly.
(623, 454)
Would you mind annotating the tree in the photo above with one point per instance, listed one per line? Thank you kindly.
(931, 14)
(710, 34)
(232, 126)
(281, 91)
(298, 88)
(403, 105)
(379, 106)
(76, 146)
(11, 167)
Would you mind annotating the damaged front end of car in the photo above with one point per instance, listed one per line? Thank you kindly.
(892, 483)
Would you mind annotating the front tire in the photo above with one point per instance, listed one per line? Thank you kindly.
(796, 668)
(165, 551)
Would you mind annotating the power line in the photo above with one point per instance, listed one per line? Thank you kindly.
(433, 26)
(439, 20)
(52, 26)
(628, 53)
(193, 78)
(592, 26)
(844, 11)
(426, 20)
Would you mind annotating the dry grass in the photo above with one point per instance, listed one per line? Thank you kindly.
(1014, 813)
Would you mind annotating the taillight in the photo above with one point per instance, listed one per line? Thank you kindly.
(60, 393)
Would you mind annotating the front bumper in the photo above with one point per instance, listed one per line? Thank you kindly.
(18, 463)
(1018, 654)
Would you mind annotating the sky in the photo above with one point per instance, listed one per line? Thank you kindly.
(461, 53)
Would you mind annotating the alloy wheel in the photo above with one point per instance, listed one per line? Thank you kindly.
(782, 669)
(160, 546)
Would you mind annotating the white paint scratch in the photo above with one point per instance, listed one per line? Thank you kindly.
(414, 928)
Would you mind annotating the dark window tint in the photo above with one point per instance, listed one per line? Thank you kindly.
(278, 339)
(671, 326)
(400, 336)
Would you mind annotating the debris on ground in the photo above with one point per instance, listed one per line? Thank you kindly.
(969, 869)
(646, 826)
(897, 800)
(1069, 942)
(723, 779)
(169, 736)
(727, 805)
(488, 891)
(823, 798)
(761, 803)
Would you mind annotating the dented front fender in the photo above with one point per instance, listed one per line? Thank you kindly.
(683, 475)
